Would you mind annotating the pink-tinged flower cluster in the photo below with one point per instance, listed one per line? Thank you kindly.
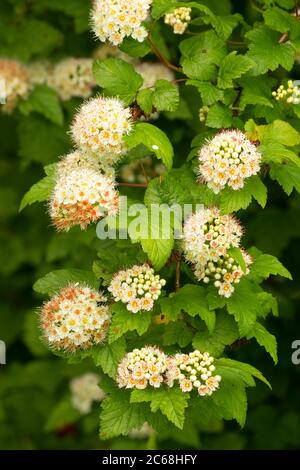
(228, 159)
(100, 125)
(81, 197)
(179, 19)
(14, 82)
(84, 391)
(137, 287)
(113, 20)
(208, 235)
(141, 368)
(73, 77)
(76, 318)
(193, 371)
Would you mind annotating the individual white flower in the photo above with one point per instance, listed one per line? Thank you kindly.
(99, 127)
(290, 94)
(228, 159)
(138, 287)
(84, 391)
(179, 19)
(208, 235)
(81, 197)
(15, 83)
(193, 371)
(76, 318)
(113, 20)
(142, 368)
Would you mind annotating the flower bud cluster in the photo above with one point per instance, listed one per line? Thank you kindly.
(203, 113)
(290, 95)
(179, 19)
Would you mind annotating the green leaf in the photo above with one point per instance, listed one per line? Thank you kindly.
(158, 251)
(233, 66)
(219, 116)
(232, 201)
(154, 139)
(237, 255)
(161, 7)
(123, 321)
(61, 415)
(266, 51)
(165, 96)
(224, 334)
(280, 132)
(170, 401)
(242, 371)
(118, 78)
(192, 300)
(144, 100)
(281, 21)
(265, 265)
(44, 100)
(39, 192)
(52, 282)
(288, 176)
(244, 306)
(265, 339)
(177, 333)
(273, 152)
(109, 356)
(210, 94)
(255, 90)
(135, 48)
(231, 400)
(119, 416)
(201, 54)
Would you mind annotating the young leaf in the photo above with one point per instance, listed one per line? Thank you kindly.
(118, 78)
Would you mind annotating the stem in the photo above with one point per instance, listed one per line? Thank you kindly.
(144, 172)
(284, 38)
(134, 185)
(162, 59)
(255, 7)
(178, 270)
(236, 102)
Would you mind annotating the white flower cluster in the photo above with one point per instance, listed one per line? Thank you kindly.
(145, 431)
(290, 95)
(229, 158)
(14, 82)
(138, 287)
(179, 19)
(84, 390)
(193, 371)
(81, 197)
(153, 71)
(78, 160)
(113, 20)
(76, 318)
(142, 367)
(73, 77)
(39, 72)
(140, 170)
(100, 126)
(207, 237)
(203, 113)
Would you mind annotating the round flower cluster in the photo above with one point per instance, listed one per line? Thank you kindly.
(142, 367)
(203, 113)
(152, 71)
(73, 77)
(85, 390)
(100, 125)
(138, 287)
(229, 158)
(76, 318)
(78, 160)
(113, 20)
(207, 237)
(179, 19)
(15, 83)
(140, 170)
(81, 197)
(291, 94)
(193, 370)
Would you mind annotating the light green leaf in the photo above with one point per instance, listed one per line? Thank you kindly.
(244, 306)
(288, 176)
(264, 265)
(210, 94)
(170, 401)
(240, 370)
(52, 282)
(39, 192)
(165, 96)
(255, 90)
(219, 116)
(144, 100)
(118, 78)
(237, 255)
(123, 321)
(154, 139)
(232, 201)
(109, 356)
(45, 101)
(231, 400)
(233, 66)
(158, 250)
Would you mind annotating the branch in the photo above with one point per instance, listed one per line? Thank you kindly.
(134, 185)
(162, 59)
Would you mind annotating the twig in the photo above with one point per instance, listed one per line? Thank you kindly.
(178, 270)
(162, 59)
(134, 185)
(284, 38)
(234, 106)
(144, 172)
